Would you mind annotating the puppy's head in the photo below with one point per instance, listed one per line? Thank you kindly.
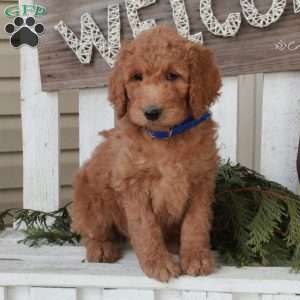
(160, 78)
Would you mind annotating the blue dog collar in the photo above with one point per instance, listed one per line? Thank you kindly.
(189, 123)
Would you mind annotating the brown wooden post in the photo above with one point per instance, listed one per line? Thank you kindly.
(298, 161)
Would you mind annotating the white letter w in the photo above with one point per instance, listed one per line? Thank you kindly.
(91, 36)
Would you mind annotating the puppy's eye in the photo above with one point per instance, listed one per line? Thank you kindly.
(137, 77)
(172, 76)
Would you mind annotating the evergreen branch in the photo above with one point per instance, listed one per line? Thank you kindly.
(263, 225)
(43, 227)
(38, 236)
(256, 221)
(270, 192)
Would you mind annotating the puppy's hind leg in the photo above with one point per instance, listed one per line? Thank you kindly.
(91, 218)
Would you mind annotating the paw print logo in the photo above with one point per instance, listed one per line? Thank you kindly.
(24, 32)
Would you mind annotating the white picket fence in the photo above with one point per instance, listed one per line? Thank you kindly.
(58, 272)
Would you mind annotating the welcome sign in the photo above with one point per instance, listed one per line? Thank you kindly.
(83, 37)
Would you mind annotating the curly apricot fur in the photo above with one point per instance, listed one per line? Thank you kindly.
(154, 191)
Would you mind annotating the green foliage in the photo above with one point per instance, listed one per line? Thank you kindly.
(43, 228)
(256, 221)
(40, 236)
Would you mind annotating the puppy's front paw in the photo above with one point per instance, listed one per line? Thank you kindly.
(162, 268)
(201, 263)
(102, 252)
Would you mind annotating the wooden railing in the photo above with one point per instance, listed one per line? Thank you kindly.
(58, 273)
(278, 122)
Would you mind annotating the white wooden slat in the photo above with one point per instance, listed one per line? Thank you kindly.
(3, 293)
(40, 119)
(18, 293)
(168, 295)
(44, 293)
(10, 249)
(40, 125)
(219, 296)
(60, 266)
(126, 274)
(286, 297)
(194, 295)
(89, 294)
(243, 296)
(95, 114)
(281, 127)
(267, 297)
(225, 112)
(120, 294)
(30, 72)
(30, 67)
(280, 297)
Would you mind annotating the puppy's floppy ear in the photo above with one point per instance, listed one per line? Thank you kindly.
(205, 79)
(116, 89)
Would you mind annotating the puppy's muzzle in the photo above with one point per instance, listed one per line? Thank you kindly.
(152, 113)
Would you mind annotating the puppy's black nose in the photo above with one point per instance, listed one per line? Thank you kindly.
(152, 113)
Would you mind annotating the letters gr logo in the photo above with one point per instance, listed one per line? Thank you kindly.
(25, 10)
(24, 30)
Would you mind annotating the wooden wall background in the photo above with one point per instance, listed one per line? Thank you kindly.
(247, 115)
(252, 50)
(11, 182)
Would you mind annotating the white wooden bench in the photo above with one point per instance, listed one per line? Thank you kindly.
(58, 272)
(55, 272)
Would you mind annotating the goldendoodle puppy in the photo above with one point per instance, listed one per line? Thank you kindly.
(152, 180)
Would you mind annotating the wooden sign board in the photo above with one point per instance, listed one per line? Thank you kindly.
(274, 48)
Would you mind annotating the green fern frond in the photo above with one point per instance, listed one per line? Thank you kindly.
(266, 221)
(38, 236)
(293, 209)
(256, 221)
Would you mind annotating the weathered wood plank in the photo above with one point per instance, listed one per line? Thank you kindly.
(246, 296)
(281, 127)
(18, 293)
(38, 293)
(40, 121)
(280, 297)
(252, 50)
(130, 294)
(286, 297)
(3, 293)
(219, 296)
(168, 295)
(95, 115)
(30, 72)
(194, 296)
(40, 125)
(89, 294)
(225, 113)
(64, 270)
